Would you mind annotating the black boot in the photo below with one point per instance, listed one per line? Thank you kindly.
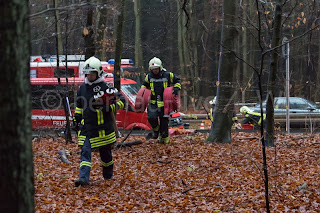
(152, 135)
(80, 182)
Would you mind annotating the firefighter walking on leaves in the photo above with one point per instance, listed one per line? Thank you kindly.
(95, 103)
(157, 80)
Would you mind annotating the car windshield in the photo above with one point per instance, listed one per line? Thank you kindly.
(130, 90)
(312, 104)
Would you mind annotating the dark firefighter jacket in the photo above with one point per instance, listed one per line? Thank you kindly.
(253, 118)
(157, 84)
(95, 116)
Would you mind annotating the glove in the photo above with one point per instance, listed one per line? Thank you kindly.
(75, 125)
(175, 91)
(110, 95)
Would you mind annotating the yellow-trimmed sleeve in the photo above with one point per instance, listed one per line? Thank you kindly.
(79, 111)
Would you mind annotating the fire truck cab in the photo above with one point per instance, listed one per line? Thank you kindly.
(47, 105)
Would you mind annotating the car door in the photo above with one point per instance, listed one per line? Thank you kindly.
(299, 106)
(280, 105)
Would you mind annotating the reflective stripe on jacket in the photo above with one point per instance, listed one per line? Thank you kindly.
(253, 118)
(157, 84)
(95, 116)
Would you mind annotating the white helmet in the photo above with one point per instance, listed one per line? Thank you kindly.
(92, 64)
(213, 101)
(245, 110)
(155, 63)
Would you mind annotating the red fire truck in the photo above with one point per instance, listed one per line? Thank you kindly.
(47, 106)
(46, 69)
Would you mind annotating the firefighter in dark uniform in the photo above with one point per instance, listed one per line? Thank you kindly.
(157, 80)
(93, 115)
(250, 117)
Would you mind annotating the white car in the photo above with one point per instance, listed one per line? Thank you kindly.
(297, 106)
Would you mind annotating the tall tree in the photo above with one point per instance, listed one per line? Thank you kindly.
(208, 45)
(119, 46)
(221, 126)
(17, 191)
(276, 37)
(137, 44)
(88, 34)
(101, 29)
(58, 27)
(180, 41)
(244, 48)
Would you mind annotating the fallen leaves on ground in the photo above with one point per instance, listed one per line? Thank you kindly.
(186, 175)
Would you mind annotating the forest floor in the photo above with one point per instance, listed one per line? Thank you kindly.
(186, 175)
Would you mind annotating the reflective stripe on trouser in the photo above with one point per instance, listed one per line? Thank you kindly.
(106, 161)
(164, 140)
(85, 164)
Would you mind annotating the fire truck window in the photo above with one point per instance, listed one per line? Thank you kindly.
(130, 91)
(33, 73)
(48, 96)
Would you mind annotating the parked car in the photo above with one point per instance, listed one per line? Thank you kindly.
(303, 112)
(297, 105)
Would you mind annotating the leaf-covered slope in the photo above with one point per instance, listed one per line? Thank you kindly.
(185, 175)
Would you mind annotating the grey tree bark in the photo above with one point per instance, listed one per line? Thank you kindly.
(276, 37)
(58, 27)
(88, 34)
(138, 46)
(16, 185)
(180, 40)
(102, 14)
(221, 126)
(119, 46)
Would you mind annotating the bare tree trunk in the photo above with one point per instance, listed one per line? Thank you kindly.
(88, 34)
(244, 46)
(221, 126)
(102, 14)
(138, 46)
(119, 46)
(17, 187)
(58, 27)
(193, 50)
(276, 37)
(181, 53)
(206, 76)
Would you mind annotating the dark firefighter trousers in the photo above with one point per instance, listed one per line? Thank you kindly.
(106, 160)
(156, 114)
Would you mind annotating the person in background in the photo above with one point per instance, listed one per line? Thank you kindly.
(236, 123)
(157, 80)
(95, 103)
(250, 117)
